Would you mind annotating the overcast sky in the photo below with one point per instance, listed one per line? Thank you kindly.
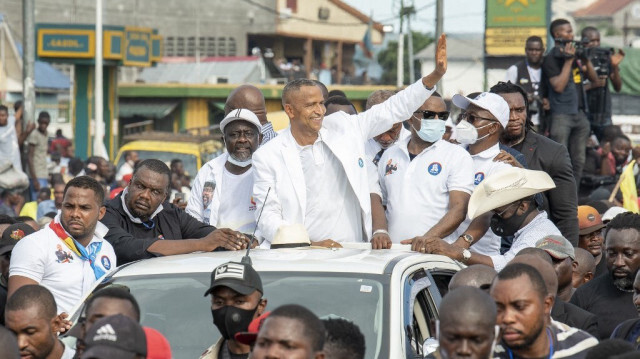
(459, 15)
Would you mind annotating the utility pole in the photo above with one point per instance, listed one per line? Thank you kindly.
(410, 11)
(400, 69)
(98, 132)
(28, 61)
(439, 31)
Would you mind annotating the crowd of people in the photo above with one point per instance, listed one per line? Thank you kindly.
(514, 188)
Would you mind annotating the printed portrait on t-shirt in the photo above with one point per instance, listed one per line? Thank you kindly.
(63, 257)
(207, 193)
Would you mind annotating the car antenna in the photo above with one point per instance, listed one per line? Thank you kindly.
(246, 259)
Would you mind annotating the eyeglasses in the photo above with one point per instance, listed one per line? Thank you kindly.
(500, 214)
(471, 118)
(429, 115)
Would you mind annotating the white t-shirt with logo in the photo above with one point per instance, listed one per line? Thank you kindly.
(484, 166)
(416, 191)
(45, 258)
(237, 208)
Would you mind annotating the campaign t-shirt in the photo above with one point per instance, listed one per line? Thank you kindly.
(611, 305)
(237, 208)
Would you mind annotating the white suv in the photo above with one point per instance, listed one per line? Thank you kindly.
(392, 295)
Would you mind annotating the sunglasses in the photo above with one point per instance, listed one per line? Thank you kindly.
(471, 118)
(429, 115)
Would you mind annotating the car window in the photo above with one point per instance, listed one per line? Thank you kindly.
(175, 305)
(189, 161)
(419, 314)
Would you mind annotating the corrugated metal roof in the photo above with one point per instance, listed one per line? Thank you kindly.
(146, 109)
(602, 8)
(244, 70)
(47, 76)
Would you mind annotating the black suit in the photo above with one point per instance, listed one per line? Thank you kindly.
(574, 316)
(561, 203)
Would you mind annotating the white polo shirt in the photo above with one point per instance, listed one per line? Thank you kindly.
(416, 191)
(66, 275)
(483, 167)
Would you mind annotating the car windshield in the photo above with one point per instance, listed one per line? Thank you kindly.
(189, 161)
(175, 305)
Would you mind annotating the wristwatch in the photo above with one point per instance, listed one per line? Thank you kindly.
(466, 255)
(467, 238)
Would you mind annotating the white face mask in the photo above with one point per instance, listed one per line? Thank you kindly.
(467, 134)
(234, 161)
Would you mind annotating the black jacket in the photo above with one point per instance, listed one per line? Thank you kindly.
(574, 316)
(561, 203)
(131, 240)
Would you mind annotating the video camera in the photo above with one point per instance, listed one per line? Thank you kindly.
(600, 57)
(580, 46)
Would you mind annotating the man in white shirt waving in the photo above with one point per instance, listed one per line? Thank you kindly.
(69, 255)
(316, 168)
(228, 178)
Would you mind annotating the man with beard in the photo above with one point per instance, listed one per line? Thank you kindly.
(251, 98)
(527, 74)
(375, 147)
(542, 154)
(231, 204)
(78, 234)
(236, 299)
(31, 316)
(629, 330)
(591, 226)
(610, 296)
(524, 306)
(142, 224)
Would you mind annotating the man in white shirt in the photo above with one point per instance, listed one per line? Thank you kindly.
(482, 124)
(315, 170)
(376, 146)
(425, 181)
(69, 255)
(130, 159)
(31, 316)
(509, 196)
(222, 191)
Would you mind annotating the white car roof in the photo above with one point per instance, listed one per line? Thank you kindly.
(355, 258)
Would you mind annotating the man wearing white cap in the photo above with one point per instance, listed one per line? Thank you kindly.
(230, 175)
(481, 126)
(509, 195)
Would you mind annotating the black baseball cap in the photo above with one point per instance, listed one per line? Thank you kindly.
(238, 276)
(115, 337)
(12, 235)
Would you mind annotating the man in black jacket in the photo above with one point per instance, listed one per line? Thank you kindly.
(143, 225)
(542, 154)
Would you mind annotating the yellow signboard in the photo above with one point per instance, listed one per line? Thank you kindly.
(112, 48)
(501, 41)
(72, 43)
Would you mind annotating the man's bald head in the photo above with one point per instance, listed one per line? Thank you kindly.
(586, 268)
(468, 305)
(378, 97)
(249, 97)
(477, 276)
(544, 268)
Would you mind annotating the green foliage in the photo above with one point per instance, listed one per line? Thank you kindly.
(388, 58)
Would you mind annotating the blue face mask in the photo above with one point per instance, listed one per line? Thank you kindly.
(431, 130)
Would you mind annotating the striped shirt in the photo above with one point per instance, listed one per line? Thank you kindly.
(267, 133)
(525, 237)
(568, 343)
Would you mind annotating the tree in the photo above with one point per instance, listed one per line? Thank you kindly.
(388, 58)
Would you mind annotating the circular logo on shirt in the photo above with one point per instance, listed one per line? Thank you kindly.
(106, 262)
(360, 162)
(478, 178)
(434, 168)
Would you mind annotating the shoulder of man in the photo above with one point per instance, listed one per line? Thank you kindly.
(585, 293)
(212, 351)
(570, 342)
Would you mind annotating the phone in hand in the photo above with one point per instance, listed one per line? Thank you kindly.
(179, 196)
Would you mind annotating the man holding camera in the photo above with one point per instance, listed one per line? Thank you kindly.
(561, 69)
(606, 63)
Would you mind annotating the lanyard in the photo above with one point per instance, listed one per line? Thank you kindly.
(550, 346)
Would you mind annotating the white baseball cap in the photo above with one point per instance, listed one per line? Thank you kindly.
(489, 101)
(240, 114)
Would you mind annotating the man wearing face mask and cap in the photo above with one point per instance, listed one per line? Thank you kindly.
(425, 181)
(236, 299)
(480, 128)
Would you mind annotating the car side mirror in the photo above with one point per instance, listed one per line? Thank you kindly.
(429, 346)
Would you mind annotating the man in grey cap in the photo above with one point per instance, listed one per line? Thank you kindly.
(227, 202)
(236, 299)
(564, 262)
